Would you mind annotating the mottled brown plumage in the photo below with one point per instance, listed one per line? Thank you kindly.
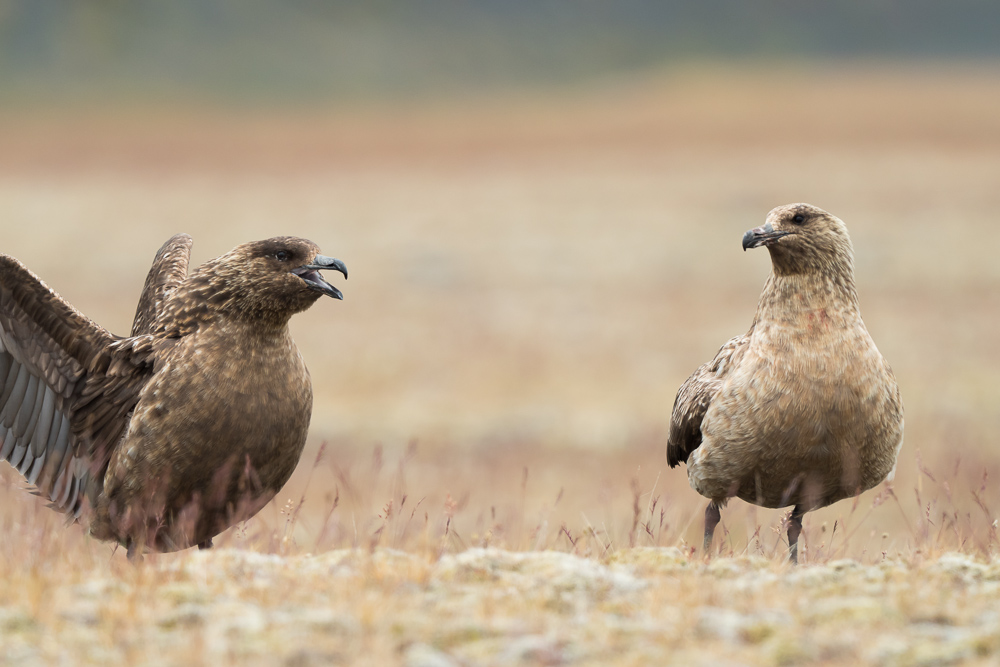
(166, 438)
(802, 410)
(169, 269)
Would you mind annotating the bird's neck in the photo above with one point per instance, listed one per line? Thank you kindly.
(259, 319)
(243, 337)
(793, 296)
(200, 303)
(268, 327)
(194, 317)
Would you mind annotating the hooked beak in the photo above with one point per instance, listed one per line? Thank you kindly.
(310, 274)
(762, 236)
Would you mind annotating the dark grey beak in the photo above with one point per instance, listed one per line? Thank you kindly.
(762, 236)
(310, 274)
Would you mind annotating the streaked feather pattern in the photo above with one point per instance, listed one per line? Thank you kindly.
(206, 405)
(45, 345)
(802, 410)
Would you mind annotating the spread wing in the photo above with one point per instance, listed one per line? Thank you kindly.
(169, 269)
(694, 397)
(66, 386)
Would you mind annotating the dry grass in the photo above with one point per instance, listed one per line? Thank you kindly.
(530, 282)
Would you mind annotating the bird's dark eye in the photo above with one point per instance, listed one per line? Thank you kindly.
(282, 255)
(799, 219)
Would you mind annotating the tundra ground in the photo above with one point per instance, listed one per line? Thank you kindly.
(531, 280)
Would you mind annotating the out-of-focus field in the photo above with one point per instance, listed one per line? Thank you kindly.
(531, 280)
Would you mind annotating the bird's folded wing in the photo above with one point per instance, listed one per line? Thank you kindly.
(61, 386)
(169, 269)
(694, 397)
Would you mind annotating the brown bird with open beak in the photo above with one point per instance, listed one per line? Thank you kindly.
(162, 440)
(802, 410)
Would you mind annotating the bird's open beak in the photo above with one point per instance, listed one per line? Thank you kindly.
(310, 274)
(762, 236)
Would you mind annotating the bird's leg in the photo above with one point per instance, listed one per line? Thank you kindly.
(133, 551)
(207, 544)
(794, 530)
(712, 518)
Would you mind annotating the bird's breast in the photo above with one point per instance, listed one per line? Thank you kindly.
(217, 400)
(810, 372)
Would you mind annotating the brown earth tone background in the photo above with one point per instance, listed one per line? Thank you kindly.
(532, 277)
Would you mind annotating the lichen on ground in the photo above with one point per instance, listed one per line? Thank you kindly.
(495, 607)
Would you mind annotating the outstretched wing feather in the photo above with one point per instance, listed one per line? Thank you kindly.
(49, 352)
(169, 269)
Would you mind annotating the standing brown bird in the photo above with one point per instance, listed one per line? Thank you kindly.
(802, 410)
(164, 439)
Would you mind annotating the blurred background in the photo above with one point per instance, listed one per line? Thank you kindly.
(541, 205)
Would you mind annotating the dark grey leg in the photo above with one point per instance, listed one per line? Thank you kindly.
(132, 551)
(794, 530)
(712, 518)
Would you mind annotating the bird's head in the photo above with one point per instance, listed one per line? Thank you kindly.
(274, 278)
(803, 238)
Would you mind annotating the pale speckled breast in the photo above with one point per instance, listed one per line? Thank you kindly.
(801, 421)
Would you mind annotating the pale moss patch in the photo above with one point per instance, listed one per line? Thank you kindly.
(491, 606)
